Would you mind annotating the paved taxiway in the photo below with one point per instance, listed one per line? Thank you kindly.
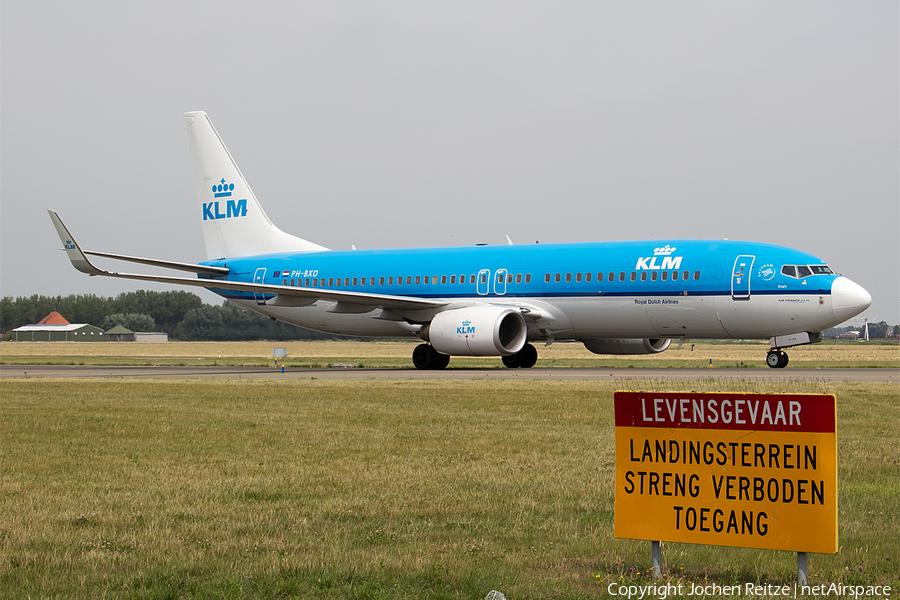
(556, 374)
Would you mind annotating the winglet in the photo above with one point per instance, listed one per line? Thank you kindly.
(73, 250)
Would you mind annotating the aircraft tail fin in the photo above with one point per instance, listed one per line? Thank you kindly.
(234, 223)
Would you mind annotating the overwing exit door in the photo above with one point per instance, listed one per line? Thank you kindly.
(740, 277)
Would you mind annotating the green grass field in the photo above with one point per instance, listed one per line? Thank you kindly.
(372, 489)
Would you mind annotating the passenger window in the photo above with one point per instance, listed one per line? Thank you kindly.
(599, 277)
(568, 277)
(471, 279)
(362, 281)
(643, 275)
(621, 275)
(696, 275)
(315, 283)
(453, 279)
(484, 278)
(557, 278)
(674, 275)
(633, 276)
(518, 278)
(400, 280)
(665, 275)
(499, 277)
(803, 271)
(443, 279)
(527, 277)
(577, 277)
(390, 281)
(653, 276)
(284, 283)
(686, 275)
(307, 283)
(292, 283)
(381, 281)
(587, 276)
(371, 281)
(509, 278)
(354, 281)
(547, 278)
(338, 282)
(418, 279)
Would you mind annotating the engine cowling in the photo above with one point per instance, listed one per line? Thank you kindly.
(627, 346)
(477, 331)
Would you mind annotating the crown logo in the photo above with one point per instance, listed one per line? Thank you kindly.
(665, 251)
(466, 323)
(223, 189)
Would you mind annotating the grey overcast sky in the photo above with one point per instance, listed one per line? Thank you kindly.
(400, 124)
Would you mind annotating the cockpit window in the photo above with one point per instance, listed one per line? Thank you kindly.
(805, 271)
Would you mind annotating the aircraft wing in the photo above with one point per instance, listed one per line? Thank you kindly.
(296, 296)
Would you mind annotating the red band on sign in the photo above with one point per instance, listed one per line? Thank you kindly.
(750, 412)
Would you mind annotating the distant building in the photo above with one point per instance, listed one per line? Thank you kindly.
(849, 336)
(54, 318)
(151, 336)
(58, 333)
(121, 334)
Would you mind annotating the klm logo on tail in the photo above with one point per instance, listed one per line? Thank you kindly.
(233, 208)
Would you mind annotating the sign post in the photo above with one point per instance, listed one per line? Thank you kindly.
(743, 470)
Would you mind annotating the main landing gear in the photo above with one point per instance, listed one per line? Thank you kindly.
(427, 358)
(777, 359)
(523, 359)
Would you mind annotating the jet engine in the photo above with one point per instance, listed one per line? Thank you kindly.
(626, 346)
(477, 331)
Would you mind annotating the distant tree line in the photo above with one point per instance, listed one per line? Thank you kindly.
(182, 315)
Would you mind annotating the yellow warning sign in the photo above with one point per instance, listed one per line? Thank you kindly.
(747, 470)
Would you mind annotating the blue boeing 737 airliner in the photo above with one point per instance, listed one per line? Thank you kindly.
(614, 297)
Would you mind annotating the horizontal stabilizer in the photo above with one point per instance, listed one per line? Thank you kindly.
(166, 264)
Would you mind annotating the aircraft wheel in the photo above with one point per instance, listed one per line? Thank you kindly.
(511, 361)
(523, 359)
(426, 357)
(527, 356)
(777, 359)
(440, 360)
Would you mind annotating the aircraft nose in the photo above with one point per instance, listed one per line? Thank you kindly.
(848, 299)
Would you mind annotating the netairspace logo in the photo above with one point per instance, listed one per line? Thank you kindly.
(749, 590)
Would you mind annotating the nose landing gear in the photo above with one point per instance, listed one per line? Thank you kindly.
(777, 359)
